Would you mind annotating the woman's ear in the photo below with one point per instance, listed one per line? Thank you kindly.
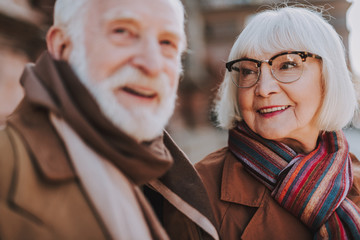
(58, 43)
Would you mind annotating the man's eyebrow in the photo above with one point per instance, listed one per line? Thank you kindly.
(175, 35)
(179, 34)
(121, 15)
(129, 16)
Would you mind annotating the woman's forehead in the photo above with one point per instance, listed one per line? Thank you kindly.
(265, 50)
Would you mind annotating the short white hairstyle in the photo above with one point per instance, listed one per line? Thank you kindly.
(297, 28)
(66, 12)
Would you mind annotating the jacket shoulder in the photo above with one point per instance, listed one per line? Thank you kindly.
(354, 193)
(212, 161)
(210, 169)
(7, 160)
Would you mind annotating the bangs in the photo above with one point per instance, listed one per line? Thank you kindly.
(274, 32)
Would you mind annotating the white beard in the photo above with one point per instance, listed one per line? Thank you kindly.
(140, 122)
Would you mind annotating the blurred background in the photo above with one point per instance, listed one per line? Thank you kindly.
(212, 27)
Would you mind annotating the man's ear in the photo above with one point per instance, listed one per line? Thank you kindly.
(58, 43)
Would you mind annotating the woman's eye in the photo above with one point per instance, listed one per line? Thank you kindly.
(235, 68)
(287, 65)
(246, 72)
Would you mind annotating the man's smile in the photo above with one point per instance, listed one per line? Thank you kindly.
(140, 92)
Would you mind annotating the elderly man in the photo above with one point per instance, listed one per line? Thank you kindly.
(84, 156)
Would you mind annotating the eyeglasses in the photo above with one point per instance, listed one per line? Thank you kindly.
(286, 67)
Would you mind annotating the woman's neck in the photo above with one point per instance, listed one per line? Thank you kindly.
(302, 144)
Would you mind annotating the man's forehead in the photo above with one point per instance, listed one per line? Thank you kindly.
(137, 16)
(168, 11)
(171, 22)
(164, 16)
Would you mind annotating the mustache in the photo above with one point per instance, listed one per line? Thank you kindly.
(131, 75)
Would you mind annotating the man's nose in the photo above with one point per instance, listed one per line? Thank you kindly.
(267, 83)
(149, 58)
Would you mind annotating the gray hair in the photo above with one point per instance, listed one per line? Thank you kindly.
(294, 28)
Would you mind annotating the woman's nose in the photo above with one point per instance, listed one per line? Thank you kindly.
(267, 83)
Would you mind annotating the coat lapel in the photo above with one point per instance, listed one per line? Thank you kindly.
(234, 172)
(45, 188)
(52, 161)
(239, 187)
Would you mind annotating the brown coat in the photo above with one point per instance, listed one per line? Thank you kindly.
(244, 208)
(41, 196)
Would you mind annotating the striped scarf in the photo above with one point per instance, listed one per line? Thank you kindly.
(312, 187)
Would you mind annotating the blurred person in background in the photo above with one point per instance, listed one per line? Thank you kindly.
(287, 172)
(84, 156)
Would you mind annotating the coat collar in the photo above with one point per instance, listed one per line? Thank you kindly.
(34, 125)
(236, 181)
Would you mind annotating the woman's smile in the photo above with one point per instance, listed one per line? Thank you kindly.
(270, 111)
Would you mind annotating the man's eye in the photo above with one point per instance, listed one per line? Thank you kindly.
(166, 42)
(169, 47)
(169, 43)
(121, 31)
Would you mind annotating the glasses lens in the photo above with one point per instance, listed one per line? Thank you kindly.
(244, 73)
(287, 68)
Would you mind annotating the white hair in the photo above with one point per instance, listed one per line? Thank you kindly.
(68, 15)
(302, 29)
(67, 12)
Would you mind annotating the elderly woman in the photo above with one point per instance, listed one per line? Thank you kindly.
(287, 172)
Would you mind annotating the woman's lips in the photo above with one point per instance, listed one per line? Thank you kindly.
(272, 110)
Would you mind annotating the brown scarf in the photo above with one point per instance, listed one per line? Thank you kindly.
(52, 85)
